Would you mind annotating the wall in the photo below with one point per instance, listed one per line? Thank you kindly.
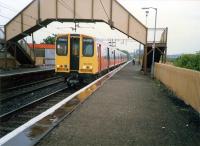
(184, 83)
(11, 63)
(50, 57)
(39, 61)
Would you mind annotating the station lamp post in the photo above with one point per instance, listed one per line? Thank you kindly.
(147, 13)
(154, 39)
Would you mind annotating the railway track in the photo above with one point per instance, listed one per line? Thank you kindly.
(27, 88)
(15, 99)
(21, 95)
(19, 116)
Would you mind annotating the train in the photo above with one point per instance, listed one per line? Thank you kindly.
(82, 58)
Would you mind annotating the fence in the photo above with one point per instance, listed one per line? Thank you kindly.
(161, 35)
(184, 83)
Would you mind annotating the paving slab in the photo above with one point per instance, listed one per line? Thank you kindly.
(130, 109)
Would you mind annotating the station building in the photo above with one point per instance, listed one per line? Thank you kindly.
(44, 53)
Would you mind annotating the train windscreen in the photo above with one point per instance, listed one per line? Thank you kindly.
(62, 46)
(88, 47)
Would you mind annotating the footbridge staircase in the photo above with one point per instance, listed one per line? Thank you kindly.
(21, 52)
(160, 48)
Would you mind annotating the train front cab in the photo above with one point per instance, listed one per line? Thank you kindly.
(62, 58)
(76, 55)
(89, 57)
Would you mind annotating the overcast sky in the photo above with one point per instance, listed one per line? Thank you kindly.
(182, 17)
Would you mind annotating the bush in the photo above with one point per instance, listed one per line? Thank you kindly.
(190, 61)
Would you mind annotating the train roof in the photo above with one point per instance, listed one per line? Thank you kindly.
(98, 40)
(73, 34)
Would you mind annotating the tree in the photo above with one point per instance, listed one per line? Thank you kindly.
(190, 61)
(127, 53)
(50, 39)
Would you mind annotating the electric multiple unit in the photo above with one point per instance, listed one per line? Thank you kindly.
(82, 57)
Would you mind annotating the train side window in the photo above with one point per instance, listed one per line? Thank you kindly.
(61, 46)
(88, 47)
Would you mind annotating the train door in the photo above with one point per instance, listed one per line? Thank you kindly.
(99, 56)
(108, 55)
(114, 58)
(74, 53)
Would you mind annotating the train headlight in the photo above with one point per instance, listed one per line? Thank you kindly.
(90, 67)
(62, 67)
(87, 67)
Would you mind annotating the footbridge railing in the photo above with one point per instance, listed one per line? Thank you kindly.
(21, 52)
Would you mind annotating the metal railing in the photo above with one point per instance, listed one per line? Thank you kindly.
(2, 44)
(27, 49)
(161, 35)
(2, 35)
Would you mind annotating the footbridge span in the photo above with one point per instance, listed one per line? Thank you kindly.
(39, 13)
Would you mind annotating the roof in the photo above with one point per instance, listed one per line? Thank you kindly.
(42, 46)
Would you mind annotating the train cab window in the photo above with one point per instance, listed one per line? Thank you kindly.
(88, 47)
(61, 46)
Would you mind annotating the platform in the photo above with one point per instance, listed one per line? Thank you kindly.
(17, 71)
(129, 109)
(19, 76)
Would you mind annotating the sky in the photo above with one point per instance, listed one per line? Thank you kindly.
(182, 17)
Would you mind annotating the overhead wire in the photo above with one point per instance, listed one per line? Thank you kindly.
(63, 3)
(22, 23)
(76, 13)
(14, 20)
(104, 9)
(68, 7)
(16, 11)
(5, 17)
(8, 8)
(119, 38)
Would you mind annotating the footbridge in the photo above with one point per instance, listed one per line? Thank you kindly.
(160, 48)
(37, 15)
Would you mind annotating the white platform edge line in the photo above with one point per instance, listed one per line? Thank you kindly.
(31, 122)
